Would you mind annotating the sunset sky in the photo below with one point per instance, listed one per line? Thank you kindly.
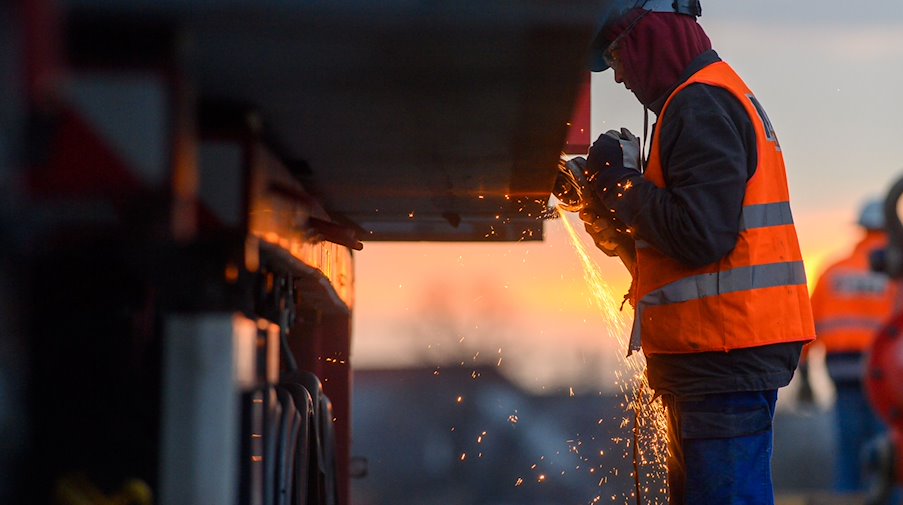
(832, 83)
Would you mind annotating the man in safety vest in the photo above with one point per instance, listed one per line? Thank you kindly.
(721, 305)
(850, 304)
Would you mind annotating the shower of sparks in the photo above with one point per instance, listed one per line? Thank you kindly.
(642, 437)
(647, 446)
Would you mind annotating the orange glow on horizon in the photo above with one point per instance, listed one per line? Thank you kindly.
(422, 303)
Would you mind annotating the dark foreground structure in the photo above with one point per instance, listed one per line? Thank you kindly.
(184, 185)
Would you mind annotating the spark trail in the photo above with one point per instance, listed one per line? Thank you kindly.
(647, 445)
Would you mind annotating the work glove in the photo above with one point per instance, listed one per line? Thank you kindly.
(606, 231)
(630, 147)
(613, 158)
(609, 235)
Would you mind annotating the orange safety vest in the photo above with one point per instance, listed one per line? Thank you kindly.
(850, 302)
(754, 296)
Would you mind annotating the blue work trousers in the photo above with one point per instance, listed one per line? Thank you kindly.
(720, 448)
(856, 426)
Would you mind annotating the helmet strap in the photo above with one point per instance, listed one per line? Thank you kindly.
(688, 7)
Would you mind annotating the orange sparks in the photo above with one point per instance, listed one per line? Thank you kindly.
(645, 416)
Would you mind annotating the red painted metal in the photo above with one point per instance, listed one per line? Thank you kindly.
(883, 380)
(41, 40)
(579, 127)
(81, 164)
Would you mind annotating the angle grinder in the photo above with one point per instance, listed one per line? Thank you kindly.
(575, 194)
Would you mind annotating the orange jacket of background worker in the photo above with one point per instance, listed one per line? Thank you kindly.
(851, 303)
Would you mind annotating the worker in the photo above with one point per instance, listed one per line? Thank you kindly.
(721, 305)
(850, 304)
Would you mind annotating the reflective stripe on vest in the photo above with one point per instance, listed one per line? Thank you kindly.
(766, 214)
(730, 281)
(847, 324)
(755, 216)
(717, 283)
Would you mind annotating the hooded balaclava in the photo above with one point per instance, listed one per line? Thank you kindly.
(657, 50)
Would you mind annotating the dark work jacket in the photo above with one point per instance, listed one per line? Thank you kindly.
(708, 152)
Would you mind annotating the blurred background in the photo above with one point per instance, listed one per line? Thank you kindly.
(829, 76)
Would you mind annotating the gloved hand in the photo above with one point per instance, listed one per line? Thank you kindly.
(630, 147)
(604, 230)
(613, 157)
(608, 235)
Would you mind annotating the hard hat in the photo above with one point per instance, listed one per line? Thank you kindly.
(616, 9)
(872, 215)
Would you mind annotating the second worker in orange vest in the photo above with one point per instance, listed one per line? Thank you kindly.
(850, 304)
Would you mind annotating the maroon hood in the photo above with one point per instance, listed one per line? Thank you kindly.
(657, 50)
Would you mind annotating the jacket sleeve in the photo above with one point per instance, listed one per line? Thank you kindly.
(708, 153)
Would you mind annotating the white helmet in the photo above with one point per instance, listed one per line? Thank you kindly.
(872, 215)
